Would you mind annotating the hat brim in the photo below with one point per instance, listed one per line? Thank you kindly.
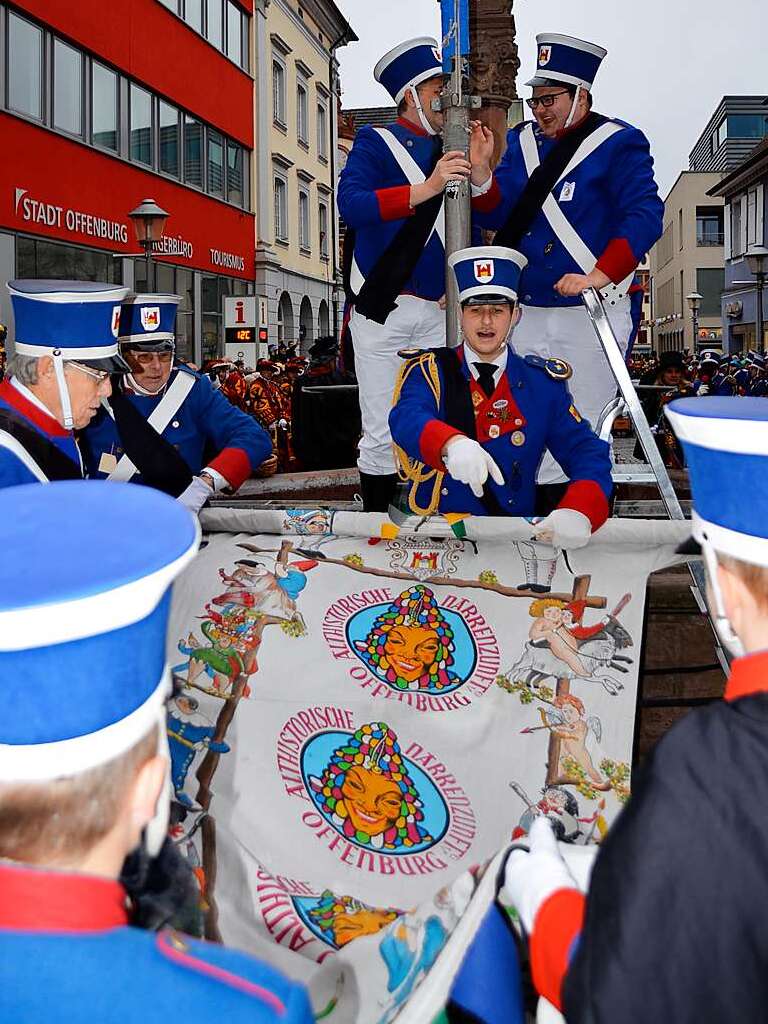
(690, 546)
(112, 364)
(155, 345)
(488, 299)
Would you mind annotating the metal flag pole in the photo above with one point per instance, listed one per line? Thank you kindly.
(455, 104)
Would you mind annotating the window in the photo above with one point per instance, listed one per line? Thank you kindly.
(36, 258)
(278, 92)
(215, 24)
(747, 126)
(322, 222)
(709, 284)
(281, 209)
(235, 192)
(722, 132)
(141, 125)
(302, 128)
(680, 228)
(755, 216)
(234, 33)
(193, 14)
(169, 139)
(104, 107)
(67, 88)
(172, 5)
(304, 241)
(322, 131)
(737, 225)
(709, 225)
(185, 337)
(215, 164)
(193, 151)
(25, 67)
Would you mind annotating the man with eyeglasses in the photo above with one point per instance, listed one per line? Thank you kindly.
(575, 193)
(66, 348)
(164, 419)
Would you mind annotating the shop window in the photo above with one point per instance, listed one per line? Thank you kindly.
(185, 333)
(215, 164)
(193, 151)
(104, 118)
(278, 93)
(302, 127)
(25, 67)
(169, 139)
(234, 33)
(67, 88)
(322, 131)
(281, 209)
(141, 125)
(193, 14)
(40, 259)
(235, 193)
(215, 24)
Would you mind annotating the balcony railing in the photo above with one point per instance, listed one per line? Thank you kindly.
(712, 238)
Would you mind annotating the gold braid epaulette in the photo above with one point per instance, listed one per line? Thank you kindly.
(409, 469)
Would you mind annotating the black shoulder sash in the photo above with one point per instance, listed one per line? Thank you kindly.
(543, 180)
(50, 458)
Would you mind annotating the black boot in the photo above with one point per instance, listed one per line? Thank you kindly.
(377, 491)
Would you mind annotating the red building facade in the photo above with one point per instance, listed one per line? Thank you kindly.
(104, 105)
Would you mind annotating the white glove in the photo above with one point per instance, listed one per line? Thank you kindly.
(564, 528)
(196, 495)
(531, 878)
(703, 390)
(469, 463)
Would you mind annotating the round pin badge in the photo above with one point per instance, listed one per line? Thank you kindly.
(517, 438)
(558, 369)
(175, 423)
(493, 431)
(501, 404)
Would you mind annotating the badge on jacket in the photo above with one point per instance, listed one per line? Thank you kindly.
(567, 191)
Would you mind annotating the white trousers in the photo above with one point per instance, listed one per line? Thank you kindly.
(568, 334)
(415, 323)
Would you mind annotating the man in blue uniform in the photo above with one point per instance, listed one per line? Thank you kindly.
(84, 768)
(391, 199)
(673, 925)
(575, 193)
(473, 424)
(66, 348)
(161, 421)
(712, 376)
(758, 385)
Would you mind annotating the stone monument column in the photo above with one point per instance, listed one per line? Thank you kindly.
(493, 64)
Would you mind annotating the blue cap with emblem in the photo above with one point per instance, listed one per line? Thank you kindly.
(147, 322)
(408, 65)
(79, 320)
(566, 59)
(757, 359)
(84, 603)
(487, 273)
(726, 448)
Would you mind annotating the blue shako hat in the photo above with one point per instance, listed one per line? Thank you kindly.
(148, 322)
(77, 319)
(84, 601)
(726, 448)
(409, 64)
(487, 273)
(566, 59)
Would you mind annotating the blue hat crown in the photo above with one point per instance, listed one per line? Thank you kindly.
(148, 318)
(726, 450)
(409, 64)
(566, 59)
(80, 319)
(490, 270)
(84, 600)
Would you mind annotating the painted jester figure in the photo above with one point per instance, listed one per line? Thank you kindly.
(575, 193)
(673, 928)
(472, 424)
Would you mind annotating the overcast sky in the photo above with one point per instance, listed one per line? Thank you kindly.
(669, 61)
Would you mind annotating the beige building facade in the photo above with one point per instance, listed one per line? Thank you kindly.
(296, 166)
(687, 259)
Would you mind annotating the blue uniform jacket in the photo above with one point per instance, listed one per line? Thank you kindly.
(537, 414)
(67, 956)
(13, 471)
(614, 207)
(206, 418)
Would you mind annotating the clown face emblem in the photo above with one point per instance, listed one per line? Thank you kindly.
(484, 271)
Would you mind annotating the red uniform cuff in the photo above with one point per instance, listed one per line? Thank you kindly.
(394, 203)
(489, 200)
(617, 261)
(234, 465)
(587, 497)
(432, 441)
(557, 924)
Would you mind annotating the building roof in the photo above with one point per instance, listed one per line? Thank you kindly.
(754, 167)
(379, 117)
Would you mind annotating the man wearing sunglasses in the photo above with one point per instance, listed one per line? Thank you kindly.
(575, 193)
(165, 420)
(65, 351)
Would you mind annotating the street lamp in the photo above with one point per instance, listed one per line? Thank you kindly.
(757, 261)
(149, 221)
(694, 304)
